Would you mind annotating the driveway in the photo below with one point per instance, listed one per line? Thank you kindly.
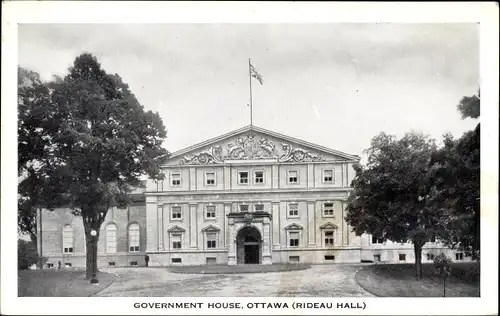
(320, 280)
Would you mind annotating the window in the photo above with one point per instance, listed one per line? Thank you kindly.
(176, 260)
(50, 265)
(402, 257)
(259, 207)
(243, 177)
(329, 258)
(376, 240)
(211, 240)
(133, 238)
(211, 260)
(376, 258)
(210, 178)
(294, 239)
(293, 177)
(328, 209)
(133, 263)
(176, 213)
(293, 259)
(329, 241)
(432, 238)
(176, 179)
(67, 265)
(111, 238)
(243, 208)
(210, 211)
(459, 256)
(328, 176)
(430, 256)
(111, 264)
(176, 241)
(68, 239)
(293, 210)
(259, 177)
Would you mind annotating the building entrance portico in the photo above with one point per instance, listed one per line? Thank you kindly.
(249, 238)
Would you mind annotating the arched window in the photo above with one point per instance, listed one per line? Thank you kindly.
(68, 239)
(133, 238)
(111, 238)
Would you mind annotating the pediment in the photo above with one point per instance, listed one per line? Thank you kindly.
(211, 228)
(176, 229)
(328, 226)
(293, 226)
(254, 143)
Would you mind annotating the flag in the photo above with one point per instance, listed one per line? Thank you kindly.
(255, 74)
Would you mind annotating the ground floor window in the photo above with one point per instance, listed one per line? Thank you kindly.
(329, 258)
(176, 260)
(430, 256)
(50, 265)
(402, 257)
(111, 263)
(293, 259)
(376, 258)
(67, 264)
(211, 260)
(459, 256)
(133, 263)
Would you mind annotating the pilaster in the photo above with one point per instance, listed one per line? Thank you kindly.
(311, 223)
(160, 227)
(151, 223)
(193, 225)
(276, 224)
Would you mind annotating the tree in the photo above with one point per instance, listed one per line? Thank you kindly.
(390, 196)
(456, 176)
(101, 143)
(26, 254)
(443, 264)
(470, 106)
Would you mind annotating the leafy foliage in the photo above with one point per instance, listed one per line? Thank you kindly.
(470, 106)
(27, 254)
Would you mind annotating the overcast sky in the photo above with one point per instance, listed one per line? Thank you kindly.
(337, 85)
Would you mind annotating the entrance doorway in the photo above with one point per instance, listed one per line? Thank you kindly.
(248, 242)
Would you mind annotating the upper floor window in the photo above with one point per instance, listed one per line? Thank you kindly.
(176, 241)
(243, 177)
(210, 178)
(432, 238)
(211, 240)
(376, 239)
(68, 239)
(293, 177)
(175, 179)
(259, 207)
(328, 176)
(259, 177)
(430, 256)
(176, 213)
(133, 237)
(111, 238)
(210, 211)
(328, 209)
(293, 210)
(329, 241)
(243, 208)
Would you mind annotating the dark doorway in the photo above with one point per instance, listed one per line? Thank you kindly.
(248, 242)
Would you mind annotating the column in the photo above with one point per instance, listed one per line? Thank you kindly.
(276, 224)
(227, 210)
(310, 176)
(160, 227)
(232, 251)
(192, 179)
(193, 227)
(166, 222)
(311, 223)
(266, 252)
(151, 223)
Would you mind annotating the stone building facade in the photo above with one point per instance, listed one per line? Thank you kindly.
(251, 196)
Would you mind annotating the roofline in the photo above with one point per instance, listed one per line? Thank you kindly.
(264, 131)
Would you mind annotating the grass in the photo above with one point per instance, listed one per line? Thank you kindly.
(246, 268)
(398, 280)
(66, 283)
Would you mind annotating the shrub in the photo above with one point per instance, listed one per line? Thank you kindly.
(27, 254)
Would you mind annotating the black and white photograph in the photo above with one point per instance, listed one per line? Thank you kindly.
(239, 161)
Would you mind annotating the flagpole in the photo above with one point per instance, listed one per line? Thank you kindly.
(250, 81)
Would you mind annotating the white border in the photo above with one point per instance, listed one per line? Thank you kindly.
(251, 12)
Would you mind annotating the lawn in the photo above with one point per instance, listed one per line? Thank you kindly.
(398, 280)
(59, 283)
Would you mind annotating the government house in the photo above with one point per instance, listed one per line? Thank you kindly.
(251, 196)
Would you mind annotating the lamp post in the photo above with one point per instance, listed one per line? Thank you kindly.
(93, 279)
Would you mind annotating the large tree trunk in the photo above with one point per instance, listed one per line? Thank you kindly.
(417, 247)
(91, 243)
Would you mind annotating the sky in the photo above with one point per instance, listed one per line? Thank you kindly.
(336, 85)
